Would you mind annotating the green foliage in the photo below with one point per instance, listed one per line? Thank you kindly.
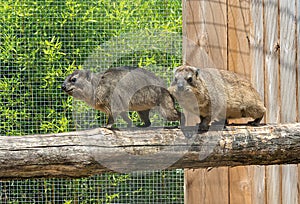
(43, 41)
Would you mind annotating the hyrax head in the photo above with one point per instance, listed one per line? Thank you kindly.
(79, 85)
(185, 80)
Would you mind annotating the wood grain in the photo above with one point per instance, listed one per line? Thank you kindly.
(217, 184)
(257, 46)
(288, 60)
(213, 30)
(273, 182)
(194, 185)
(194, 39)
(78, 154)
(272, 92)
(247, 184)
(207, 186)
(258, 185)
(289, 184)
(240, 185)
(258, 80)
(205, 33)
(298, 58)
(239, 37)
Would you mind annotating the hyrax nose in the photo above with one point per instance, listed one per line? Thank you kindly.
(63, 87)
(180, 87)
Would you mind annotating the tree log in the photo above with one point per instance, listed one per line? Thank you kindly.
(85, 153)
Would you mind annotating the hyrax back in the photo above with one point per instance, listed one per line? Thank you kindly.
(215, 94)
(122, 89)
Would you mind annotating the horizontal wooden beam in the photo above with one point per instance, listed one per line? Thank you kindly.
(85, 153)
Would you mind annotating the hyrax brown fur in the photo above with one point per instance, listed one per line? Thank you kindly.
(215, 94)
(122, 89)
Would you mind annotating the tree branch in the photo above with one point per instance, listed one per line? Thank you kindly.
(79, 154)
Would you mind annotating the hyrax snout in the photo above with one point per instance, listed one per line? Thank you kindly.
(122, 89)
(216, 95)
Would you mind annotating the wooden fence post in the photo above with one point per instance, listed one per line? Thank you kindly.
(205, 45)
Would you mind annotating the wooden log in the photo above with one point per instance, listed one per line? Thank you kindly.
(85, 153)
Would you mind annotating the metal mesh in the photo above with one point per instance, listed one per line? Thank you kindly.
(143, 187)
(41, 42)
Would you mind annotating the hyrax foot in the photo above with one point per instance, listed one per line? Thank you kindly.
(204, 125)
(111, 127)
(144, 125)
(256, 122)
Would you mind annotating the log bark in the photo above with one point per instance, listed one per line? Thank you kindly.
(85, 153)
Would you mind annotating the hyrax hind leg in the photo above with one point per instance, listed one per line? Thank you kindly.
(256, 112)
(167, 107)
(255, 122)
(144, 115)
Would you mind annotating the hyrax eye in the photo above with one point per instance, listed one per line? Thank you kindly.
(73, 80)
(189, 80)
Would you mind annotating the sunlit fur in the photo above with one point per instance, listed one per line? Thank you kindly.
(208, 87)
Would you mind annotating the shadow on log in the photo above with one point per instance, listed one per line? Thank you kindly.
(85, 153)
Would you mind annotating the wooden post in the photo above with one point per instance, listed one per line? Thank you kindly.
(288, 86)
(272, 91)
(205, 45)
(288, 60)
(239, 37)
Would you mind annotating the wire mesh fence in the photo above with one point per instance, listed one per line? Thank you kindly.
(41, 42)
(142, 187)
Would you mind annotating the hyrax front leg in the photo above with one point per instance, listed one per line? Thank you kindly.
(125, 117)
(110, 121)
(204, 124)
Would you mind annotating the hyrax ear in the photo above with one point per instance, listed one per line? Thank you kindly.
(175, 70)
(88, 75)
(195, 70)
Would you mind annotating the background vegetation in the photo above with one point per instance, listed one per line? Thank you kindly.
(41, 42)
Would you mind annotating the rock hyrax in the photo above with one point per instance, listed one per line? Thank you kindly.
(122, 89)
(215, 94)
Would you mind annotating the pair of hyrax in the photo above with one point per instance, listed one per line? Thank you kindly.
(215, 94)
(122, 89)
(210, 93)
